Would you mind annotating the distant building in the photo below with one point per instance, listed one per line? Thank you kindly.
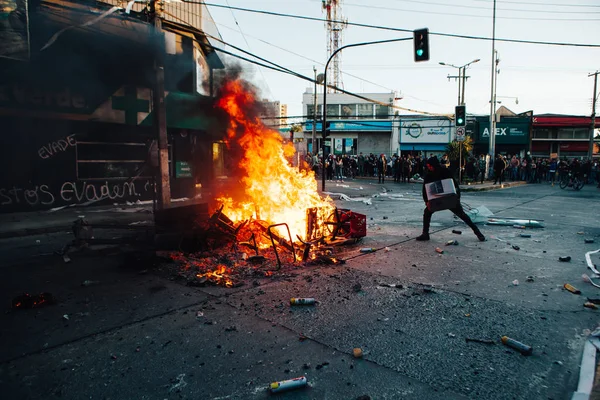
(356, 125)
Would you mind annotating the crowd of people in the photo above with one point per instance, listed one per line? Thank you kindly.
(340, 167)
(503, 168)
(532, 169)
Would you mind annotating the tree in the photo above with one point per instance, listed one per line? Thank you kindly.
(454, 147)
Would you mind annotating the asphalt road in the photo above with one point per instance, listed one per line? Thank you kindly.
(135, 334)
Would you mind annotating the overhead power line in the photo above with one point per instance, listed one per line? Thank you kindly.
(544, 4)
(279, 68)
(453, 5)
(278, 14)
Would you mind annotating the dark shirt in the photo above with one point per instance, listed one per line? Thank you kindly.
(438, 175)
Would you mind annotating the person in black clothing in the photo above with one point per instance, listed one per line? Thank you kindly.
(436, 173)
(499, 167)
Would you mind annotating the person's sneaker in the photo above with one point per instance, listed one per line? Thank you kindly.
(480, 237)
(423, 237)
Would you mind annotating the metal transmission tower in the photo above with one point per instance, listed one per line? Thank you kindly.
(335, 24)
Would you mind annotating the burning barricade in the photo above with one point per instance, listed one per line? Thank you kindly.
(270, 216)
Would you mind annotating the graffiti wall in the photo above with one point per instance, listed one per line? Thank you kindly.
(50, 164)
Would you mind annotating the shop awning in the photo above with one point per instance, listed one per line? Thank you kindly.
(424, 146)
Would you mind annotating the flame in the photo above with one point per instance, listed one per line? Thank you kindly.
(218, 276)
(276, 191)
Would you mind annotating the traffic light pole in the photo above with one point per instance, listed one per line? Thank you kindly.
(593, 127)
(324, 119)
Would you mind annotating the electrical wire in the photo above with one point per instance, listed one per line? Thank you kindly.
(543, 4)
(370, 6)
(291, 52)
(279, 68)
(497, 8)
(452, 35)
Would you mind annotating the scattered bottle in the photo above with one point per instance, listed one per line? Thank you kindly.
(437, 249)
(589, 240)
(457, 232)
(564, 259)
(302, 301)
(451, 243)
(521, 347)
(367, 250)
(525, 235)
(571, 289)
(590, 305)
(288, 384)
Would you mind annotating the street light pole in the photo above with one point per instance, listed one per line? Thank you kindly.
(492, 143)
(314, 124)
(462, 79)
(324, 119)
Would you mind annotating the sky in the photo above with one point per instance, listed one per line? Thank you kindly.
(544, 78)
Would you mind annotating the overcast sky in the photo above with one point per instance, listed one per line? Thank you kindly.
(546, 79)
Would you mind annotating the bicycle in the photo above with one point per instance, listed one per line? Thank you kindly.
(568, 180)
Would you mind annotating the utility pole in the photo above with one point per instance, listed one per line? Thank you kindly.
(314, 124)
(163, 185)
(593, 127)
(492, 144)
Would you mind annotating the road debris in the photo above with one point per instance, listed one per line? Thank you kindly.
(529, 279)
(525, 235)
(571, 289)
(451, 243)
(484, 341)
(515, 282)
(302, 301)
(586, 278)
(581, 233)
(367, 250)
(527, 223)
(457, 232)
(357, 352)
(521, 347)
(516, 247)
(519, 227)
(564, 259)
(589, 240)
(438, 250)
(590, 305)
(26, 300)
(589, 262)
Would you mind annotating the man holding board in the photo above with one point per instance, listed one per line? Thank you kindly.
(440, 192)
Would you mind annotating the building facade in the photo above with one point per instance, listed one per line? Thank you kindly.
(356, 125)
(512, 135)
(428, 136)
(555, 135)
(77, 113)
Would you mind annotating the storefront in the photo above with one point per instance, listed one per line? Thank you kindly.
(353, 137)
(561, 136)
(512, 136)
(428, 136)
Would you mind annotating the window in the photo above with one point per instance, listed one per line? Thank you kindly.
(382, 112)
(581, 133)
(348, 111)
(333, 110)
(565, 134)
(310, 111)
(541, 134)
(365, 110)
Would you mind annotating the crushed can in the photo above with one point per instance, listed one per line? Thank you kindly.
(302, 301)
(438, 250)
(288, 384)
(521, 347)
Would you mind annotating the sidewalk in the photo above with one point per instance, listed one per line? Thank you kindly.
(49, 221)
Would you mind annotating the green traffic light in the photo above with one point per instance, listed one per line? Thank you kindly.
(420, 52)
(460, 120)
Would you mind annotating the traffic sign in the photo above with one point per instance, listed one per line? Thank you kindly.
(460, 133)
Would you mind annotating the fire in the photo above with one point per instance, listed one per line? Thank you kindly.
(218, 276)
(275, 191)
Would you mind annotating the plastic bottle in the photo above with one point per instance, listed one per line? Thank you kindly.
(302, 301)
(521, 347)
(288, 384)
(367, 250)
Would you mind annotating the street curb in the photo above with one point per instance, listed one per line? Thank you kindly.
(34, 231)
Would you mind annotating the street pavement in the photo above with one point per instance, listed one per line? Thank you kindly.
(134, 332)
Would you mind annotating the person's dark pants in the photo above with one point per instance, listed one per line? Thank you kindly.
(498, 176)
(482, 172)
(458, 211)
(381, 176)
